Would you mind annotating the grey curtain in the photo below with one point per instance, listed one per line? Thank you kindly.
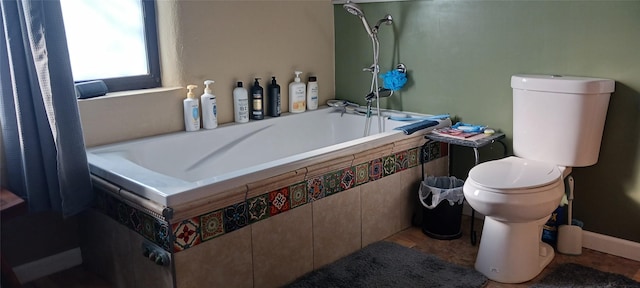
(42, 137)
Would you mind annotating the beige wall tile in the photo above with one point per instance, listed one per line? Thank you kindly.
(222, 262)
(336, 226)
(379, 218)
(282, 247)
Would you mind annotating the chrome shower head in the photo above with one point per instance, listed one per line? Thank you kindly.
(354, 9)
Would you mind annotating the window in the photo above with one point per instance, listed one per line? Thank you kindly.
(114, 41)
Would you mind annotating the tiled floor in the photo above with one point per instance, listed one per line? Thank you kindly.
(458, 251)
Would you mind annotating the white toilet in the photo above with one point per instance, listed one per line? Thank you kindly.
(557, 124)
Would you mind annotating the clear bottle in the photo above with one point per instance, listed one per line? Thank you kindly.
(240, 104)
(273, 95)
(191, 110)
(257, 101)
(209, 107)
(297, 95)
(312, 93)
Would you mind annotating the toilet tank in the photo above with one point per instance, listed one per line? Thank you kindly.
(559, 119)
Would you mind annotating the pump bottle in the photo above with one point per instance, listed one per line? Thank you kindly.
(191, 110)
(312, 93)
(257, 101)
(297, 97)
(240, 104)
(209, 107)
(273, 94)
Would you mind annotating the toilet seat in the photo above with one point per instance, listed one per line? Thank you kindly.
(514, 175)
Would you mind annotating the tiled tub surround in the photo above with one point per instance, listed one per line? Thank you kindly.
(268, 230)
(287, 225)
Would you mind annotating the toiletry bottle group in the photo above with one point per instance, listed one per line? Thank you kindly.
(297, 95)
(209, 107)
(191, 110)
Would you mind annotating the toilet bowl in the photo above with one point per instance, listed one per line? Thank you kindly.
(516, 196)
(557, 123)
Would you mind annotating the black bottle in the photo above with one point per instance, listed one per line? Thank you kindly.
(273, 95)
(257, 101)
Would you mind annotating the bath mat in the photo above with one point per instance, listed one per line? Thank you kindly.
(575, 275)
(386, 264)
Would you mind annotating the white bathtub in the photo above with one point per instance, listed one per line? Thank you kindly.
(180, 167)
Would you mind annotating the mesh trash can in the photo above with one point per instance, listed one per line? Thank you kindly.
(441, 199)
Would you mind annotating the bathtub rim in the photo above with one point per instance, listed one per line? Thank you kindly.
(181, 192)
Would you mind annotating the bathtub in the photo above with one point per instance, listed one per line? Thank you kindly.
(177, 168)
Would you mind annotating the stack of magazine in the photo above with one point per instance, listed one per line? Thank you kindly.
(460, 134)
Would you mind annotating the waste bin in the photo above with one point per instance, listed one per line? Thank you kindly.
(441, 199)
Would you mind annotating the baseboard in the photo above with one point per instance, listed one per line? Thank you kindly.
(48, 265)
(611, 245)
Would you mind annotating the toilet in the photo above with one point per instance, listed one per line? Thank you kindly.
(557, 125)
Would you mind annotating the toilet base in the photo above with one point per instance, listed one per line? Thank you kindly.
(512, 252)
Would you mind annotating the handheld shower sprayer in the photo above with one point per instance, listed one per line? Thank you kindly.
(354, 9)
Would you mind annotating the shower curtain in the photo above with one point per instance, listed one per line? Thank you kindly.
(43, 146)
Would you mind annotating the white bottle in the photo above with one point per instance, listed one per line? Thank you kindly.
(297, 95)
(241, 104)
(191, 110)
(312, 93)
(209, 107)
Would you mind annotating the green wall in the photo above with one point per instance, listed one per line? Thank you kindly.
(461, 55)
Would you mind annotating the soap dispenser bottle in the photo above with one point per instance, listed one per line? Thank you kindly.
(240, 104)
(297, 95)
(257, 101)
(209, 107)
(273, 94)
(191, 110)
(312, 93)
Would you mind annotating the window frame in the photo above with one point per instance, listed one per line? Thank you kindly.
(152, 79)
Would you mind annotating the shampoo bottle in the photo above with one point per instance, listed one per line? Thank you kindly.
(240, 104)
(191, 110)
(312, 93)
(297, 97)
(273, 94)
(257, 101)
(209, 107)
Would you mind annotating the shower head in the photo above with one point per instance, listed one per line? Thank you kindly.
(354, 9)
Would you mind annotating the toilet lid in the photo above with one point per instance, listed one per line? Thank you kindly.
(514, 173)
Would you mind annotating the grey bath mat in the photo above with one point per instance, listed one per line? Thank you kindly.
(575, 275)
(386, 264)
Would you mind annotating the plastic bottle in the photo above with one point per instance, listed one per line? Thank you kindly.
(191, 110)
(209, 107)
(273, 95)
(297, 95)
(312, 93)
(257, 101)
(240, 104)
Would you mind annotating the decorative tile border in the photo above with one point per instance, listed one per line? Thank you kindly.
(152, 228)
(193, 231)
